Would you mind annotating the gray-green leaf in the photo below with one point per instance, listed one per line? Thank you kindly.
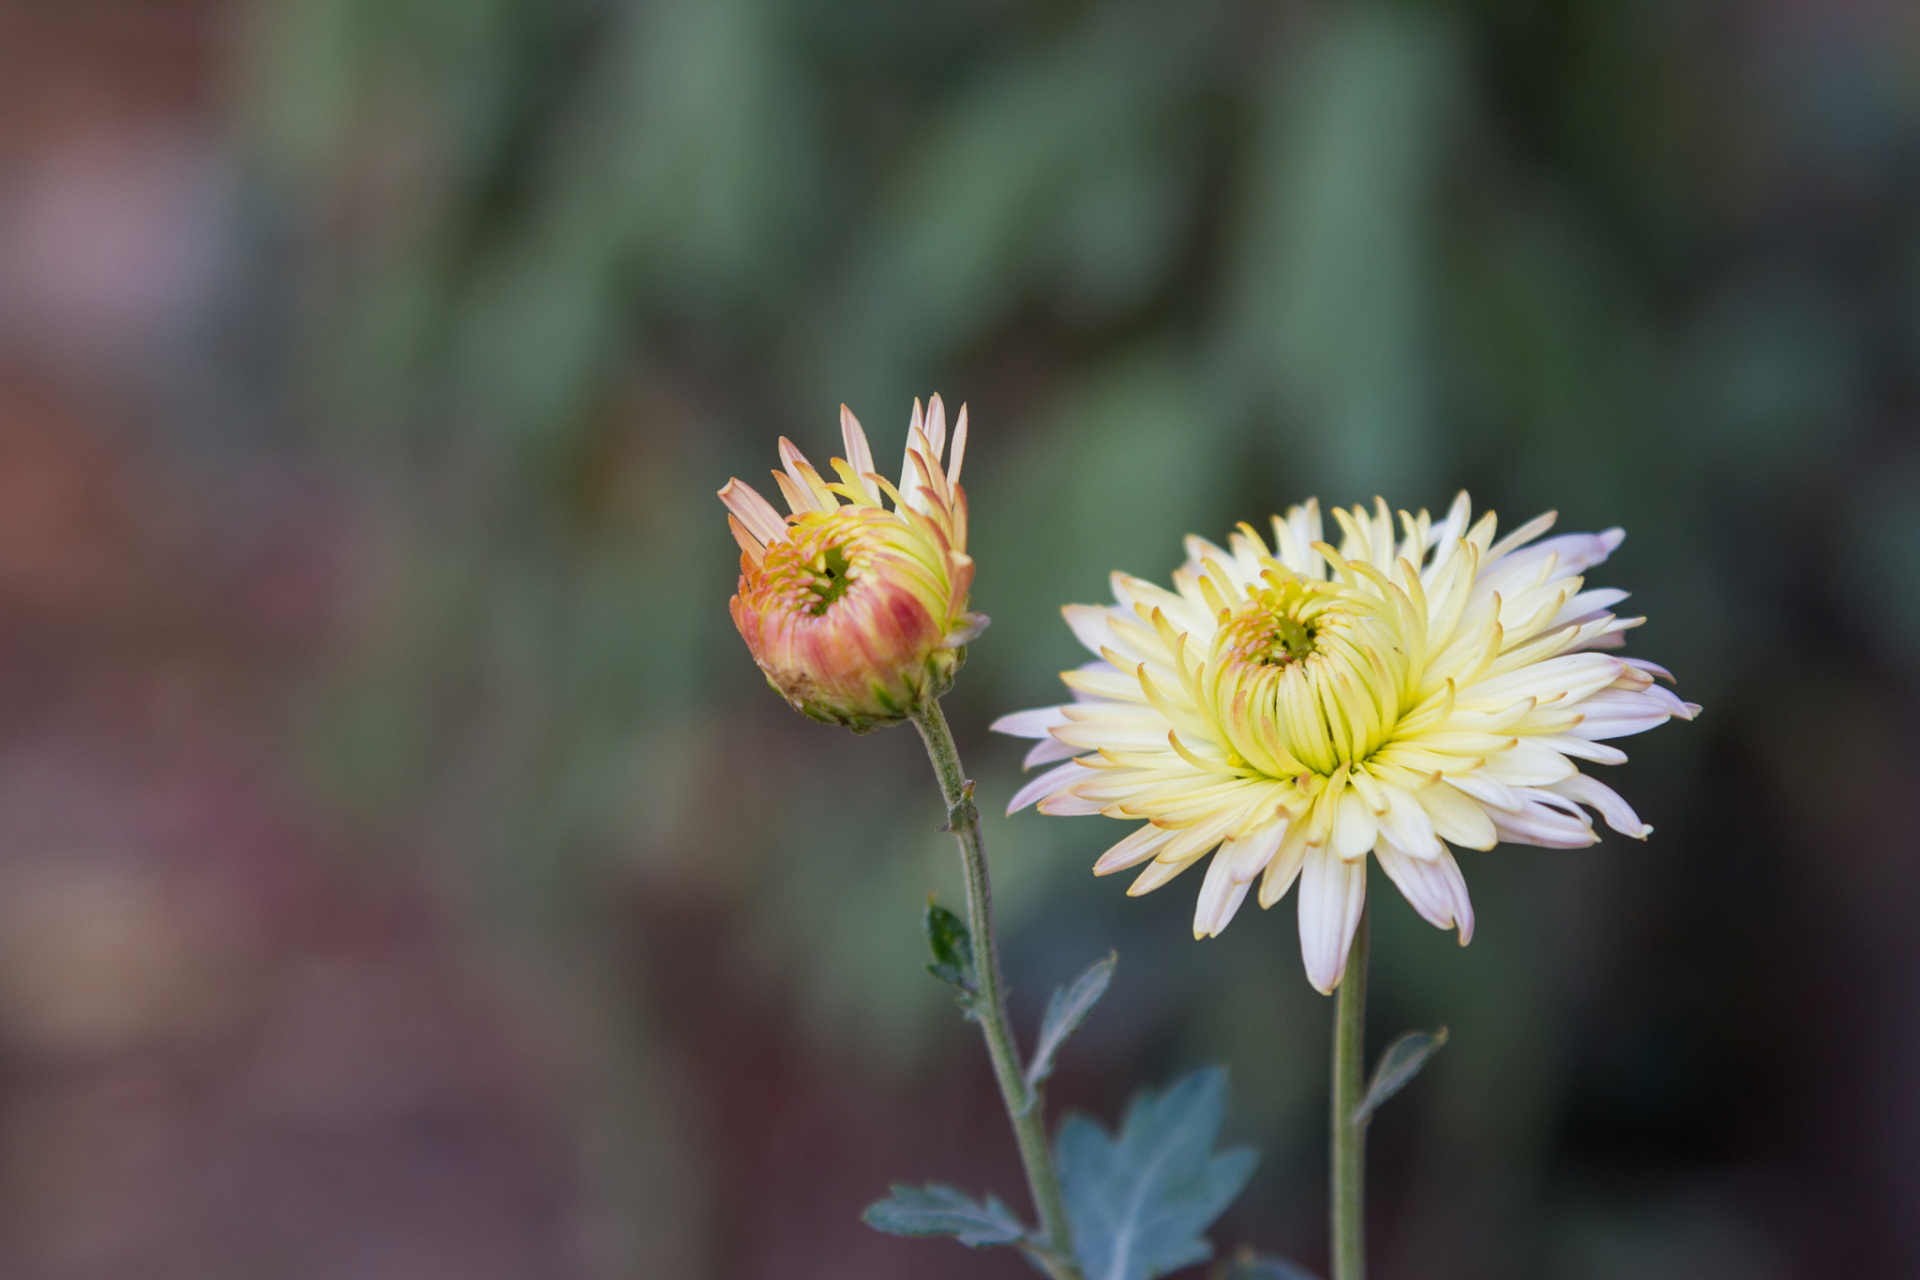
(935, 1210)
(952, 947)
(1139, 1204)
(1065, 1012)
(1398, 1066)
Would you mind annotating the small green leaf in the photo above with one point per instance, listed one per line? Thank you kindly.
(1065, 1012)
(1398, 1066)
(1247, 1265)
(934, 1210)
(1139, 1203)
(952, 947)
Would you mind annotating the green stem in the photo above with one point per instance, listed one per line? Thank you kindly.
(1055, 1250)
(1349, 1176)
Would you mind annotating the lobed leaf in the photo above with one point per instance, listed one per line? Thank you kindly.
(1398, 1066)
(1065, 1012)
(936, 1210)
(1139, 1203)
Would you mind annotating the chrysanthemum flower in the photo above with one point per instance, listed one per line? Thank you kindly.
(857, 613)
(1291, 709)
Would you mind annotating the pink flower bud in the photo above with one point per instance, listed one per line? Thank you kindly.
(857, 613)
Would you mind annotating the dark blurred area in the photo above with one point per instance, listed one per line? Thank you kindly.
(406, 874)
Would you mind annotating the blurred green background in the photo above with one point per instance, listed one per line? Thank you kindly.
(407, 873)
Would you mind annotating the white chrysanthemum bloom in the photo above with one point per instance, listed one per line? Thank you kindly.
(1293, 709)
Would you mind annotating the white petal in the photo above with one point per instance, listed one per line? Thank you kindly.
(1250, 854)
(1145, 841)
(1065, 804)
(1202, 836)
(1671, 701)
(1156, 874)
(1436, 889)
(1530, 762)
(1489, 791)
(1332, 893)
(1457, 816)
(1605, 801)
(1093, 735)
(1520, 537)
(1588, 604)
(1539, 824)
(1617, 713)
(1407, 825)
(1101, 681)
(1602, 631)
(1651, 668)
(1089, 624)
(1581, 749)
(1029, 724)
(1220, 896)
(1567, 678)
(1047, 750)
(1575, 552)
(1048, 783)
(1354, 827)
(1284, 868)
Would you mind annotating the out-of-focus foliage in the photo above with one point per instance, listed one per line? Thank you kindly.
(941, 1211)
(560, 267)
(1398, 1065)
(1067, 1008)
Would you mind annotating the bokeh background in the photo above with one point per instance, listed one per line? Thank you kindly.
(405, 874)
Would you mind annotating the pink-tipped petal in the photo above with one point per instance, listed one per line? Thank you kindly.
(936, 427)
(859, 452)
(754, 511)
(959, 449)
(756, 550)
(802, 494)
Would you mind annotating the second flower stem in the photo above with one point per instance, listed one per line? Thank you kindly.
(1349, 1140)
(1023, 1103)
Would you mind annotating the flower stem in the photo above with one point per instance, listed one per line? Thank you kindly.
(1054, 1251)
(1349, 1140)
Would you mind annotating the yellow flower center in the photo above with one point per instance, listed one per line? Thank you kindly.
(819, 561)
(1305, 676)
(1266, 632)
(830, 573)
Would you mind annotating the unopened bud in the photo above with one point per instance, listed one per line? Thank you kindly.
(857, 612)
